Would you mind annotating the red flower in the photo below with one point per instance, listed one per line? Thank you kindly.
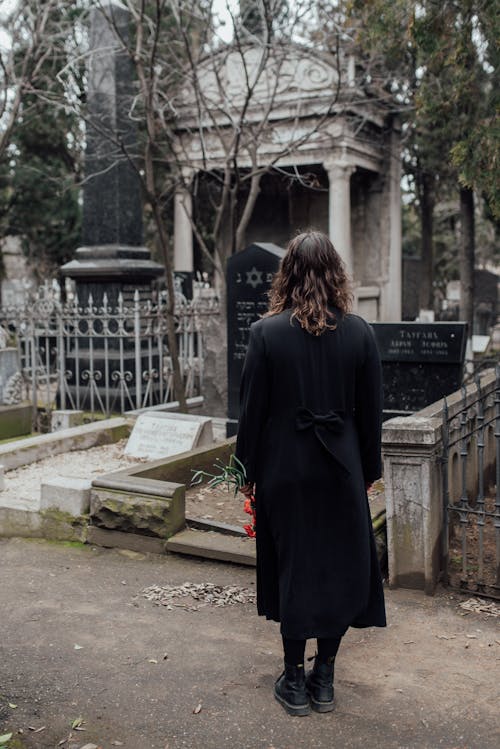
(249, 507)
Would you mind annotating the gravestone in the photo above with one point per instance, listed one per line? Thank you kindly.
(160, 435)
(421, 363)
(249, 277)
(112, 258)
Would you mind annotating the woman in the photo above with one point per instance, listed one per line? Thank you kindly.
(309, 438)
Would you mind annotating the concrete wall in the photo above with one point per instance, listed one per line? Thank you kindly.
(412, 449)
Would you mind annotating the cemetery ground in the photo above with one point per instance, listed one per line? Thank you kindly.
(82, 648)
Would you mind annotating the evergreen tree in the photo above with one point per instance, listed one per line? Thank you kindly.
(39, 178)
(435, 58)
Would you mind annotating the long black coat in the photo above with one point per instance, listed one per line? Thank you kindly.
(309, 437)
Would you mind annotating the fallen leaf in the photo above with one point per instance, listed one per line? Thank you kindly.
(11, 704)
(63, 741)
(90, 746)
(152, 660)
(37, 730)
(6, 737)
(77, 723)
(197, 709)
(78, 647)
(117, 743)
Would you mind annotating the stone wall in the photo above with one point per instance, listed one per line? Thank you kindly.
(412, 449)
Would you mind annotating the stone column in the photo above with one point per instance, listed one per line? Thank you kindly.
(339, 210)
(411, 448)
(183, 232)
(393, 294)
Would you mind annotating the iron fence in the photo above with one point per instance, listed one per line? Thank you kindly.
(107, 359)
(471, 490)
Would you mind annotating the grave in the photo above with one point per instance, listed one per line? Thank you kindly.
(249, 277)
(160, 435)
(421, 363)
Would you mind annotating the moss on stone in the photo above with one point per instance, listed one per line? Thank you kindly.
(58, 525)
(15, 421)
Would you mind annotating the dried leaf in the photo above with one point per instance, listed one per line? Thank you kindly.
(90, 746)
(197, 709)
(116, 743)
(77, 722)
(37, 730)
(77, 647)
(63, 741)
(152, 660)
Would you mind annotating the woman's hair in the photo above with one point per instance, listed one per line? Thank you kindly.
(311, 277)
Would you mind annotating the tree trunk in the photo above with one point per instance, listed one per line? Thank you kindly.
(426, 295)
(179, 392)
(466, 258)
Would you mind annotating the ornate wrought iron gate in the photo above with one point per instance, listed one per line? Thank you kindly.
(471, 491)
(105, 359)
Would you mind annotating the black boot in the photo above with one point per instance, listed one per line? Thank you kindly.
(290, 690)
(319, 685)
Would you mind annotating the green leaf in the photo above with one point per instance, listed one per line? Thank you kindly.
(4, 738)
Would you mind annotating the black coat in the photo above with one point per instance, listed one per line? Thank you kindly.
(309, 437)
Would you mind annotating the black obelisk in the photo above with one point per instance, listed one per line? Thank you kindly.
(112, 258)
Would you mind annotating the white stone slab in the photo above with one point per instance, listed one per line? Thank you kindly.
(71, 495)
(160, 435)
(65, 420)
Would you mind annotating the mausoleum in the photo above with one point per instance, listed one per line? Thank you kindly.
(341, 173)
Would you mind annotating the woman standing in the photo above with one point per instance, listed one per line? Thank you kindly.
(309, 438)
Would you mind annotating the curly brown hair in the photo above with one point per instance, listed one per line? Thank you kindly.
(311, 277)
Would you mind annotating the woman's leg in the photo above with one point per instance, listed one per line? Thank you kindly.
(290, 688)
(327, 648)
(319, 682)
(294, 651)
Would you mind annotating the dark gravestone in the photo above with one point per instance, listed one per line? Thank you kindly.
(112, 263)
(249, 276)
(421, 363)
(112, 259)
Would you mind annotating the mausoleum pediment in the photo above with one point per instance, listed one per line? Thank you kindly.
(288, 76)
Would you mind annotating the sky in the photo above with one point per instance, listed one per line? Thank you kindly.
(221, 9)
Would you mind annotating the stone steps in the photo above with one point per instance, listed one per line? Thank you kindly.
(213, 545)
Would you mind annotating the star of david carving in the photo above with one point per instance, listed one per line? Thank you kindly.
(254, 277)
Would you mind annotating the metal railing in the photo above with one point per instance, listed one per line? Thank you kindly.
(471, 491)
(107, 359)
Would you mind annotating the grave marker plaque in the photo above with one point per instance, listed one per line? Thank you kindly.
(249, 277)
(421, 363)
(159, 435)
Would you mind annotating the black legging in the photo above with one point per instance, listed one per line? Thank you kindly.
(295, 649)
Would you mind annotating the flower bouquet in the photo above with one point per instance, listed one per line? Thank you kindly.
(233, 474)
